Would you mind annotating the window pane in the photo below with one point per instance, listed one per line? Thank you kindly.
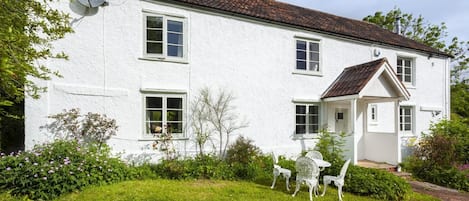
(175, 127)
(399, 62)
(175, 103)
(313, 66)
(300, 45)
(407, 119)
(300, 54)
(313, 109)
(175, 38)
(154, 48)
(313, 128)
(154, 127)
(313, 120)
(313, 56)
(314, 47)
(407, 63)
(408, 78)
(174, 26)
(300, 109)
(399, 70)
(406, 111)
(155, 35)
(407, 127)
(173, 115)
(300, 129)
(301, 65)
(300, 119)
(175, 51)
(154, 115)
(407, 71)
(154, 102)
(154, 22)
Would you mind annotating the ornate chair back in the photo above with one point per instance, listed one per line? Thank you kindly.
(314, 154)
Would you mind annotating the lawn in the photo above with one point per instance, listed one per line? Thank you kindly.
(167, 190)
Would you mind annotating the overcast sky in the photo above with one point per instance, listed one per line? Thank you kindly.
(455, 13)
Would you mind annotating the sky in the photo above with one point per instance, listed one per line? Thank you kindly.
(454, 13)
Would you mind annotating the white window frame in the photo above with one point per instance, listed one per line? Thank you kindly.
(307, 71)
(164, 109)
(307, 117)
(402, 74)
(402, 121)
(164, 55)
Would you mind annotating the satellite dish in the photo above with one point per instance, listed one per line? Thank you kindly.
(92, 3)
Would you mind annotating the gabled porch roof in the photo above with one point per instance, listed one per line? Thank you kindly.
(371, 80)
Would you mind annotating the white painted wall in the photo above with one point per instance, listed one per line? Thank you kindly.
(253, 60)
(381, 147)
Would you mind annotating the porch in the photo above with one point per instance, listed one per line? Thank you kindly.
(364, 102)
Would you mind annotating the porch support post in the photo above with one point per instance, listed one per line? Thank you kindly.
(398, 133)
(353, 119)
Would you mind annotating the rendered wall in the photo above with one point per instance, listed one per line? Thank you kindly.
(255, 61)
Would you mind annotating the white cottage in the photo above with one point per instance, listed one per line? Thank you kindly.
(293, 71)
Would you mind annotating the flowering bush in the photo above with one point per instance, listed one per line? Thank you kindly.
(91, 128)
(50, 170)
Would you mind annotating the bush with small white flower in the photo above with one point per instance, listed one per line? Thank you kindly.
(50, 170)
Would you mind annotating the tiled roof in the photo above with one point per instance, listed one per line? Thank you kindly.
(352, 80)
(286, 14)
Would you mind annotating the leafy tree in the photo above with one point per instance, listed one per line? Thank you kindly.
(418, 29)
(460, 101)
(27, 29)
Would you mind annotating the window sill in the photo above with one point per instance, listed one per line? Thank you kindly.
(409, 86)
(305, 136)
(309, 73)
(408, 135)
(165, 59)
(145, 139)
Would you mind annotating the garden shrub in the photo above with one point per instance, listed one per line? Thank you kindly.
(452, 177)
(243, 157)
(440, 156)
(91, 128)
(50, 170)
(375, 183)
(200, 167)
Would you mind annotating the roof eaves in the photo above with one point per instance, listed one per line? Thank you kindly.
(256, 17)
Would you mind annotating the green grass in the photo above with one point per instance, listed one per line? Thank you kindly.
(194, 190)
(168, 190)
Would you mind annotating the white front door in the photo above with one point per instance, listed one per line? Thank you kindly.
(341, 120)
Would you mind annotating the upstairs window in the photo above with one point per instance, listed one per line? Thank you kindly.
(307, 119)
(405, 69)
(165, 36)
(307, 56)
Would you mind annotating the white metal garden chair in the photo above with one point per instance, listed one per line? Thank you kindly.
(278, 170)
(338, 180)
(307, 172)
(314, 154)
